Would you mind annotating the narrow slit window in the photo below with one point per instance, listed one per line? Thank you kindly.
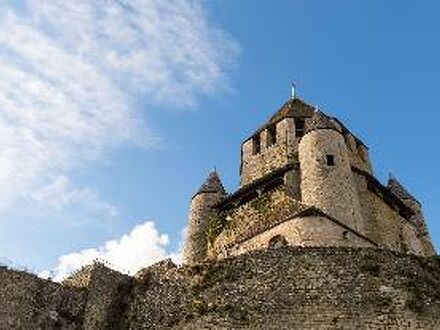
(299, 127)
(271, 135)
(256, 144)
(330, 160)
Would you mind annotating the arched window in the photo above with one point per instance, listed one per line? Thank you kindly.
(277, 242)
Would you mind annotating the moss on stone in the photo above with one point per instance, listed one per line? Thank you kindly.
(217, 223)
(293, 157)
(261, 204)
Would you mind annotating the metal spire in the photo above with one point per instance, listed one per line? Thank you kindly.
(293, 91)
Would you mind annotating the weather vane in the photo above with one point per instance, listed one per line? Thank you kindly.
(293, 95)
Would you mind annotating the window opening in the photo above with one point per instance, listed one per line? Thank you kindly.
(271, 135)
(330, 160)
(299, 127)
(256, 144)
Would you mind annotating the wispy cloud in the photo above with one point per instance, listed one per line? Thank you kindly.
(61, 195)
(71, 72)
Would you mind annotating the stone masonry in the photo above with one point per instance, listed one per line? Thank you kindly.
(279, 288)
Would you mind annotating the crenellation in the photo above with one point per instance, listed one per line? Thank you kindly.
(272, 152)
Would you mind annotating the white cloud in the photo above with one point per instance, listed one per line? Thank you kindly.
(71, 72)
(143, 246)
(60, 195)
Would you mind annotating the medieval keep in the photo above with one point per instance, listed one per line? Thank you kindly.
(306, 180)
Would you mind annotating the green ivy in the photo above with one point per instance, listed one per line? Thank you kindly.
(261, 204)
(293, 157)
(217, 223)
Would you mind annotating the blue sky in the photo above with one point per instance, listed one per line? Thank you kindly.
(126, 109)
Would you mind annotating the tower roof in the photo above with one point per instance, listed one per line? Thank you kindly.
(213, 184)
(291, 109)
(297, 108)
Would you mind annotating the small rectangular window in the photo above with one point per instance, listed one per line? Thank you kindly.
(299, 127)
(271, 135)
(256, 144)
(330, 160)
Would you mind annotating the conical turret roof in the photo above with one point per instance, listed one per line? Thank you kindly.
(213, 184)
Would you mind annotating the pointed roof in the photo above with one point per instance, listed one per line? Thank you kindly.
(213, 184)
(297, 108)
(399, 190)
(293, 108)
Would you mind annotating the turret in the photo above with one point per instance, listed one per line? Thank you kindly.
(201, 211)
(327, 180)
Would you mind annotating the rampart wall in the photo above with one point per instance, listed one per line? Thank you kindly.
(278, 288)
(28, 302)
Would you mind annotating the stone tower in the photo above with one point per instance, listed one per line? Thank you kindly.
(275, 144)
(201, 211)
(327, 180)
(305, 180)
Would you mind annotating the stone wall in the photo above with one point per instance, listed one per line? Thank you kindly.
(81, 278)
(383, 223)
(292, 288)
(358, 153)
(255, 166)
(278, 288)
(299, 231)
(28, 302)
(253, 217)
(329, 187)
(108, 296)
